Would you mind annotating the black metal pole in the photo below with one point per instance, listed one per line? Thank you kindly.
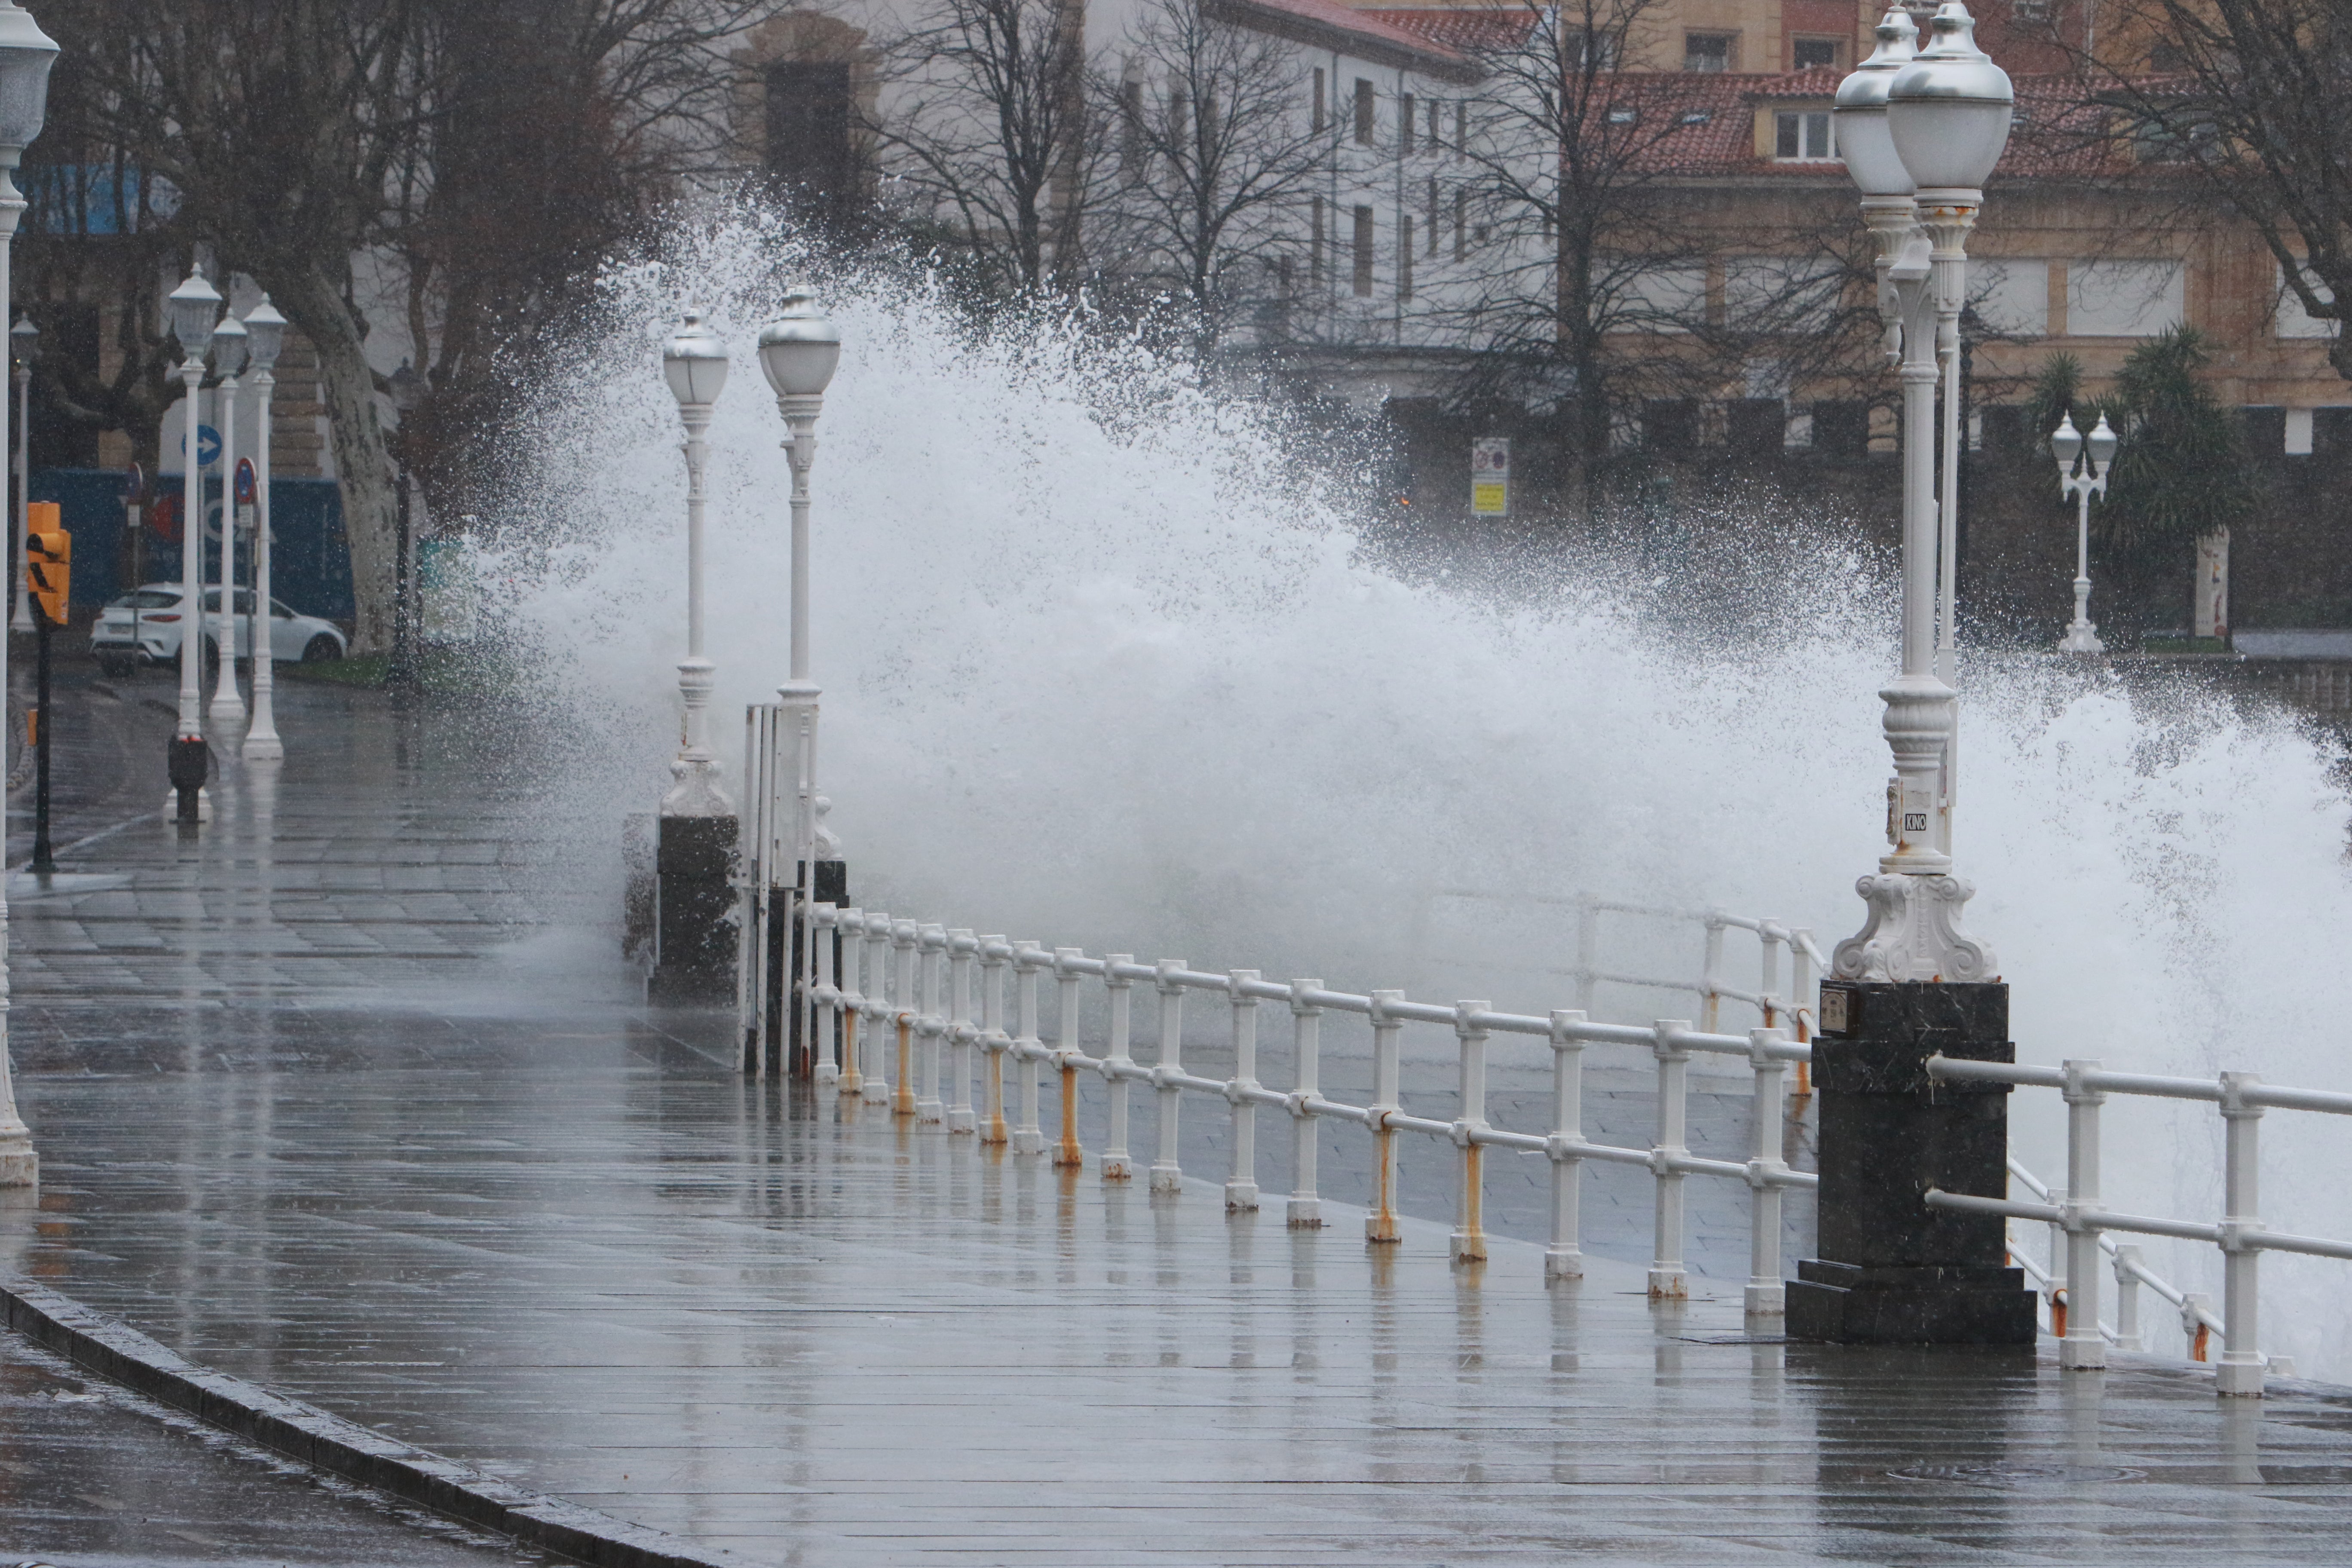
(43, 861)
(403, 671)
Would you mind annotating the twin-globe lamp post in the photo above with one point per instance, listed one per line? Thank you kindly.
(26, 56)
(2082, 473)
(1920, 130)
(194, 311)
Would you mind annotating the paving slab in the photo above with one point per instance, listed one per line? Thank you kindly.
(408, 1147)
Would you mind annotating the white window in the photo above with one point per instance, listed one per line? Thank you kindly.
(2298, 432)
(2010, 296)
(1665, 299)
(2124, 299)
(2292, 320)
(1802, 136)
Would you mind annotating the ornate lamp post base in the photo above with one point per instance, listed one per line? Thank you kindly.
(2082, 636)
(1891, 1270)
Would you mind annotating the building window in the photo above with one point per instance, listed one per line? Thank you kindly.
(1461, 129)
(1318, 122)
(1461, 225)
(1404, 124)
(1806, 54)
(1315, 246)
(809, 149)
(1708, 51)
(1363, 113)
(1802, 136)
(1363, 252)
(1436, 215)
(1404, 256)
(1436, 123)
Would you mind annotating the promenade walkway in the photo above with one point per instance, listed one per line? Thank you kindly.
(350, 1095)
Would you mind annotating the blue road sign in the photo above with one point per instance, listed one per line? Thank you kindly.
(208, 445)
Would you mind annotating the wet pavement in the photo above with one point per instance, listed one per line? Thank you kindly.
(350, 1096)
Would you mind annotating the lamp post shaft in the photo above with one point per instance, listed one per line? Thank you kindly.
(192, 555)
(21, 618)
(229, 708)
(20, 1166)
(697, 792)
(261, 743)
(800, 415)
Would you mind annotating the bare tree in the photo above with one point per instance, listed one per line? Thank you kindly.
(1600, 233)
(2250, 95)
(1210, 159)
(988, 136)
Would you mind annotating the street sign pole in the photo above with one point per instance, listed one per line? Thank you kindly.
(43, 861)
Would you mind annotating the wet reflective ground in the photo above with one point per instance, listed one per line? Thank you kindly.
(351, 1097)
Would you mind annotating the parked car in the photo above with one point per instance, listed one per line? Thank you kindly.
(144, 626)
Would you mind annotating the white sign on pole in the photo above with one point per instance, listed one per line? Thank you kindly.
(1490, 476)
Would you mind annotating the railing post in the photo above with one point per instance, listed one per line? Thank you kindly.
(1668, 1281)
(961, 949)
(748, 953)
(1028, 958)
(1381, 1225)
(2240, 1371)
(993, 955)
(828, 996)
(1765, 1296)
(1564, 1259)
(2127, 1266)
(2195, 1307)
(2083, 1348)
(1803, 1000)
(1710, 980)
(1240, 1185)
(1769, 936)
(851, 925)
(902, 993)
(1118, 1066)
(2061, 1298)
(930, 1022)
(1066, 1152)
(1468, 1243)
(1304, 1211)
(1167, 1172)
(878, 1009)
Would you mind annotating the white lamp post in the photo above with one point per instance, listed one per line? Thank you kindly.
(798, 352)
(1943, 115)
(265, 335)
(694, 360)
(26, 56)
(229, 341)
(25, 341)
(2082, 479)
(194, 308)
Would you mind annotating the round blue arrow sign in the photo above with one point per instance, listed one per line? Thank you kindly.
(208, 446)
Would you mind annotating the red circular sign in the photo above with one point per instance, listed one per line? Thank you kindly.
(163, 518)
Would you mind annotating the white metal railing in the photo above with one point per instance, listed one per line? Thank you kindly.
(2199, 1321)
(904, 994)
(2084, 1220)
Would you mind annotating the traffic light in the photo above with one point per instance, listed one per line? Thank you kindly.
(48, 560)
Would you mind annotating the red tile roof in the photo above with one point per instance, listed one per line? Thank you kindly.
(1363, 32)
(1466, 29)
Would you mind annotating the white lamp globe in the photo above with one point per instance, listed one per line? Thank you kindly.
(27, 53)
(195, 307)
(1863, 140)
(694, 362)
(798, 348)
(1949, 109)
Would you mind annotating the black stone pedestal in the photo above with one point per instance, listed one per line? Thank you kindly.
(694, 929)
(1892, 1270)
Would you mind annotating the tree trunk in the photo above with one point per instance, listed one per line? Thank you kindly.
(362, 468)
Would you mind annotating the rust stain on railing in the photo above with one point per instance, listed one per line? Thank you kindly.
(851, 1081)
(1381, 1225)
(995, 1132)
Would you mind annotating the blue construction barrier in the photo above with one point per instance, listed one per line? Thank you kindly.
(310, 563)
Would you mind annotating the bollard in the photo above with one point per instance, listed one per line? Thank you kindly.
(1892, 1270)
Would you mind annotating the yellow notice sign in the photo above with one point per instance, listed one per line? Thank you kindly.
(1490, 476)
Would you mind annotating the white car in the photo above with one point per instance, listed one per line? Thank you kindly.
(144, 627)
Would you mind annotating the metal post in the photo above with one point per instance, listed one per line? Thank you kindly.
(851, 925)
(993, 953)
(933, 1022)
(1804, 999)
(2240, 1371)
(1241, 1185)
(229, 707)
(1167, 1172)
(1710, 980)
(262, 744)
(961, 949)
(1468, 1243)
(2083, 1348)
(44, 861)
(2060, 1299)
(1305, 1210)
(1066, 1048)
(2127, 1331)
(1765, 1296)
(1028, 958)
(1118, 1064)
(902, 993)
(19, 557)
(1564, 1257)
(878, 1009)
(828, 996)
(1381, 1225)
(1668, 1279)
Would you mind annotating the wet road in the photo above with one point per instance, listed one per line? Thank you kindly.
(349, 1096)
